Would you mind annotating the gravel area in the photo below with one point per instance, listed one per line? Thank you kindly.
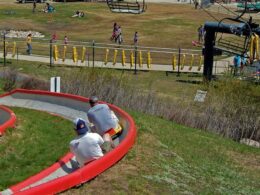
(21, 34)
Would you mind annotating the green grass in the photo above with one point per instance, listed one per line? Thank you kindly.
(172, 159)
(162, 25)
(37, 141)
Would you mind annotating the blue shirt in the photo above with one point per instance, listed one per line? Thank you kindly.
(237, 61)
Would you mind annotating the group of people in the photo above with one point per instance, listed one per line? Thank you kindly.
(117, 35)
(94, 138)
(54, 38)
(47, 9)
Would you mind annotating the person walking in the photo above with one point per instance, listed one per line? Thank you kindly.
(54, 37)
(196, 4)
(237, 64)
(34, 6)
(115, 27)
(135, 38)
(118, 38)
(66, 40)
(201, 33)
(29, 44)
(86, 146)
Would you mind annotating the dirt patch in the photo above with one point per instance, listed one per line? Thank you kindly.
(251, 162)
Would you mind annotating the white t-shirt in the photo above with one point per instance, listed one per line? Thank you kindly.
(102, 118)
(87, 147)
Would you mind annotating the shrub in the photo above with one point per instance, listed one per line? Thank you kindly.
(10, 78)
(230, 110)
(33, 83)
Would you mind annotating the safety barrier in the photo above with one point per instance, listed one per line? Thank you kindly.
(115, 57)
(149, 60)
(254, 47)
(7, 119)
(83, 54)
(64, 53)
(75, 55)
(128, 56)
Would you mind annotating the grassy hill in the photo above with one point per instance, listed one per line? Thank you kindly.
(167, 158)
(162, 25)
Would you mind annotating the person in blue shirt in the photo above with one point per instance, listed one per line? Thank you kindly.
(237, 63)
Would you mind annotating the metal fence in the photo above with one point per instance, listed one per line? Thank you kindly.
(93, 54)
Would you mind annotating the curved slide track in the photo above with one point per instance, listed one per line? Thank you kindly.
(65, 173)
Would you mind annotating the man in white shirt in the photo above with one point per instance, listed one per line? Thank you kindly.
(86, 146)
(104, 120)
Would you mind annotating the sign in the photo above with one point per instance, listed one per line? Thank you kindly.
(200, 96)
(55, 84)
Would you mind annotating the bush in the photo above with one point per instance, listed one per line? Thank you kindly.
(33, 83)
(10, 78)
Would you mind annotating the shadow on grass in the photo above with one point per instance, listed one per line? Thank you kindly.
(189, 81)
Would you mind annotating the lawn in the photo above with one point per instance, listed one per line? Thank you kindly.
(163, 25)
(32, 145)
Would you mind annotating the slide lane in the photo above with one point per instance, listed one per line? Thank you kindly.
(65, 174)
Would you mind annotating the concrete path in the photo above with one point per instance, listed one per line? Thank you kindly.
(219, 66)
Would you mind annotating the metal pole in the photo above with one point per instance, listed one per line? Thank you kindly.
(4, 51)
(93, 53)
(179, 60)
(208, 54)
(51, 53)
(135, 59)
(88, 59)
(17, 55)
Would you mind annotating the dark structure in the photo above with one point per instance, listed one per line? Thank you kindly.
(127, 6)
(241, 29)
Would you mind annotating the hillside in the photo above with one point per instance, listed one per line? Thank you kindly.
(172, 159)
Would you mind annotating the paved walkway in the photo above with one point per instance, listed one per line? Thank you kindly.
(219, 66)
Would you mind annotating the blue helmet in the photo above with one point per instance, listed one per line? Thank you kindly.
(80, 126)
